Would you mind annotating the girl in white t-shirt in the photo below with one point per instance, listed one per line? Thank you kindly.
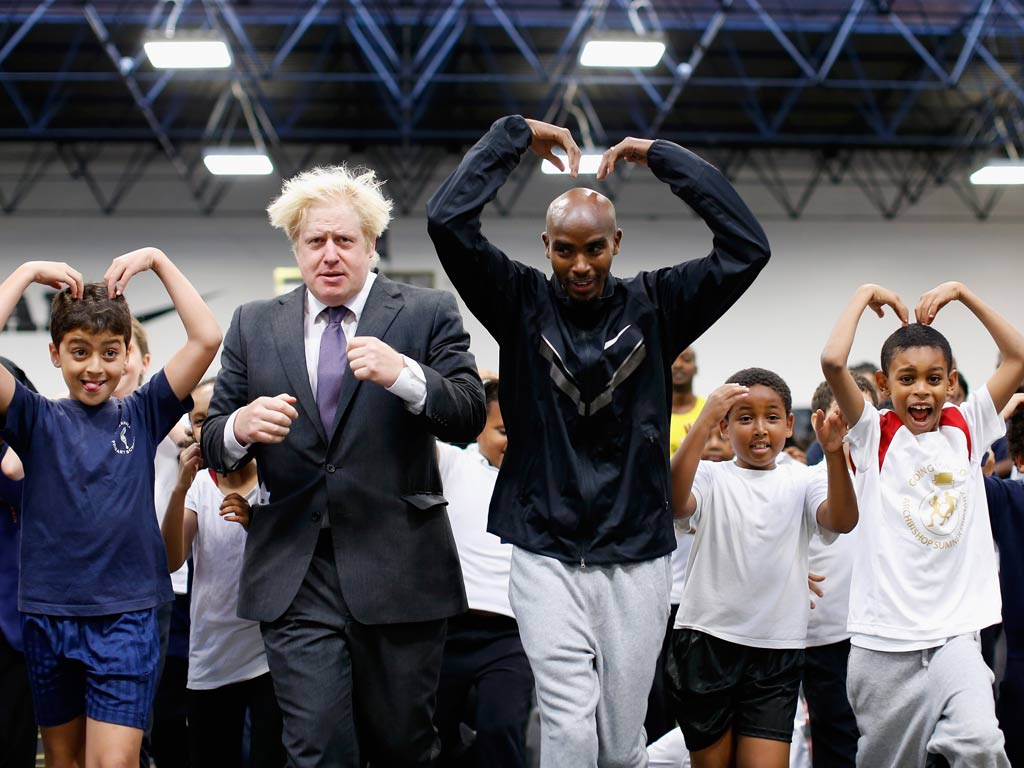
(228, 674)
(737, 649)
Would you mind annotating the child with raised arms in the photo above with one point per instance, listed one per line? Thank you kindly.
(739, 635)
(93, 565)
(924, 578)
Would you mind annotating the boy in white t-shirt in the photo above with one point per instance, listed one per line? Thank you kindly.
(227, 665)
(738, 645)
(924, 580)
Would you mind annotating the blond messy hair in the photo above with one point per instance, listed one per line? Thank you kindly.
(359, 187)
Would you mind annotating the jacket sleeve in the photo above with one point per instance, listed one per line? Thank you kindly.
(230, 393)
(488, 281)
(455, 410)
(694, 294)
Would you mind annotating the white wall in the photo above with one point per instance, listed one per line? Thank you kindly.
(780, 323)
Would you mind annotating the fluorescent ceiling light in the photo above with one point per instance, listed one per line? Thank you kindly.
(589, 163)
(999, 171)
(622, 51)
(225, 161)
(188, 53)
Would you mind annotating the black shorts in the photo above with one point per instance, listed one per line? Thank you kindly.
(716, 684)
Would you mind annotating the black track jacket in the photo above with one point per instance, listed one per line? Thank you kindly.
(586, 386)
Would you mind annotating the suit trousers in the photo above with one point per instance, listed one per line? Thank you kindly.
(352, 694)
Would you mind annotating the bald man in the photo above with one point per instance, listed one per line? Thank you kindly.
(583, 492)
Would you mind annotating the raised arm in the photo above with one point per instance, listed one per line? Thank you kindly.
(189, 364)
(179, 526)
(839, 511)
(486, 279)
(836, 355)
(687, 457)
(51, 273)
(1010, 373)
(696, 292)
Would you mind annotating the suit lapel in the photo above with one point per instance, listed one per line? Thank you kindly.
(382, 307)
(291, 348)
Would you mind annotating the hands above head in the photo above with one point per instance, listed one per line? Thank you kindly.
(830, 428)
(878, 298)
(127, 265)
(56, 274)
(265, 420)
(546, 137)
(630, 150)
(935, 299)
(235, 509)
(188, 465)
(373, 360)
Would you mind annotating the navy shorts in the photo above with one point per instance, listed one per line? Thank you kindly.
(104, 667)
(716, 684)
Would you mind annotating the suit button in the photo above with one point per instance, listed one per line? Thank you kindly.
(330, 467)
(315, 516)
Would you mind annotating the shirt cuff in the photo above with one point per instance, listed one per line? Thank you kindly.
(411, 386)
(233, 449)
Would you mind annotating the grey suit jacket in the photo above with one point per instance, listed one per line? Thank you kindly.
(374, 473)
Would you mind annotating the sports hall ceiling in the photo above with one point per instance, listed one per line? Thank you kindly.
(938, 81)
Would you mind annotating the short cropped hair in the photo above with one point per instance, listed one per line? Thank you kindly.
(915, 335)
(1015, 434)
(490, 391)
(823, 397)
(139, 337)
(94, 312)
(359, 187)
(748, 377)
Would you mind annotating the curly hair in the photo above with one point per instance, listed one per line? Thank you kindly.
(1015, 434)
(748, 377)
(94, 312)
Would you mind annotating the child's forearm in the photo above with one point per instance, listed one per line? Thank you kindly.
(841, 512)
(189, 364)
(12, 289)
(684, 467)
(173, 530)
(1008, 376)
(1003, 333)
(836, 355)
(200, 325)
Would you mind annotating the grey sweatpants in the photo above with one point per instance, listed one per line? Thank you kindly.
(592, 636)
(935, 701)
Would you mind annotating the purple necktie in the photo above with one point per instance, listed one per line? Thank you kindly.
(330, 369)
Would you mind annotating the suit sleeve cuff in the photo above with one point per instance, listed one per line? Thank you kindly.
(233, 449)
(411, 386)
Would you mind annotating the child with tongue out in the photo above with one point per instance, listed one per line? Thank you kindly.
(924, 579)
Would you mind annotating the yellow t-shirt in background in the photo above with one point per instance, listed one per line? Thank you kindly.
(681, 423)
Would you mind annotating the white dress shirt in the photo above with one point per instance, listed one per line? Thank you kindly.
(410, 386)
